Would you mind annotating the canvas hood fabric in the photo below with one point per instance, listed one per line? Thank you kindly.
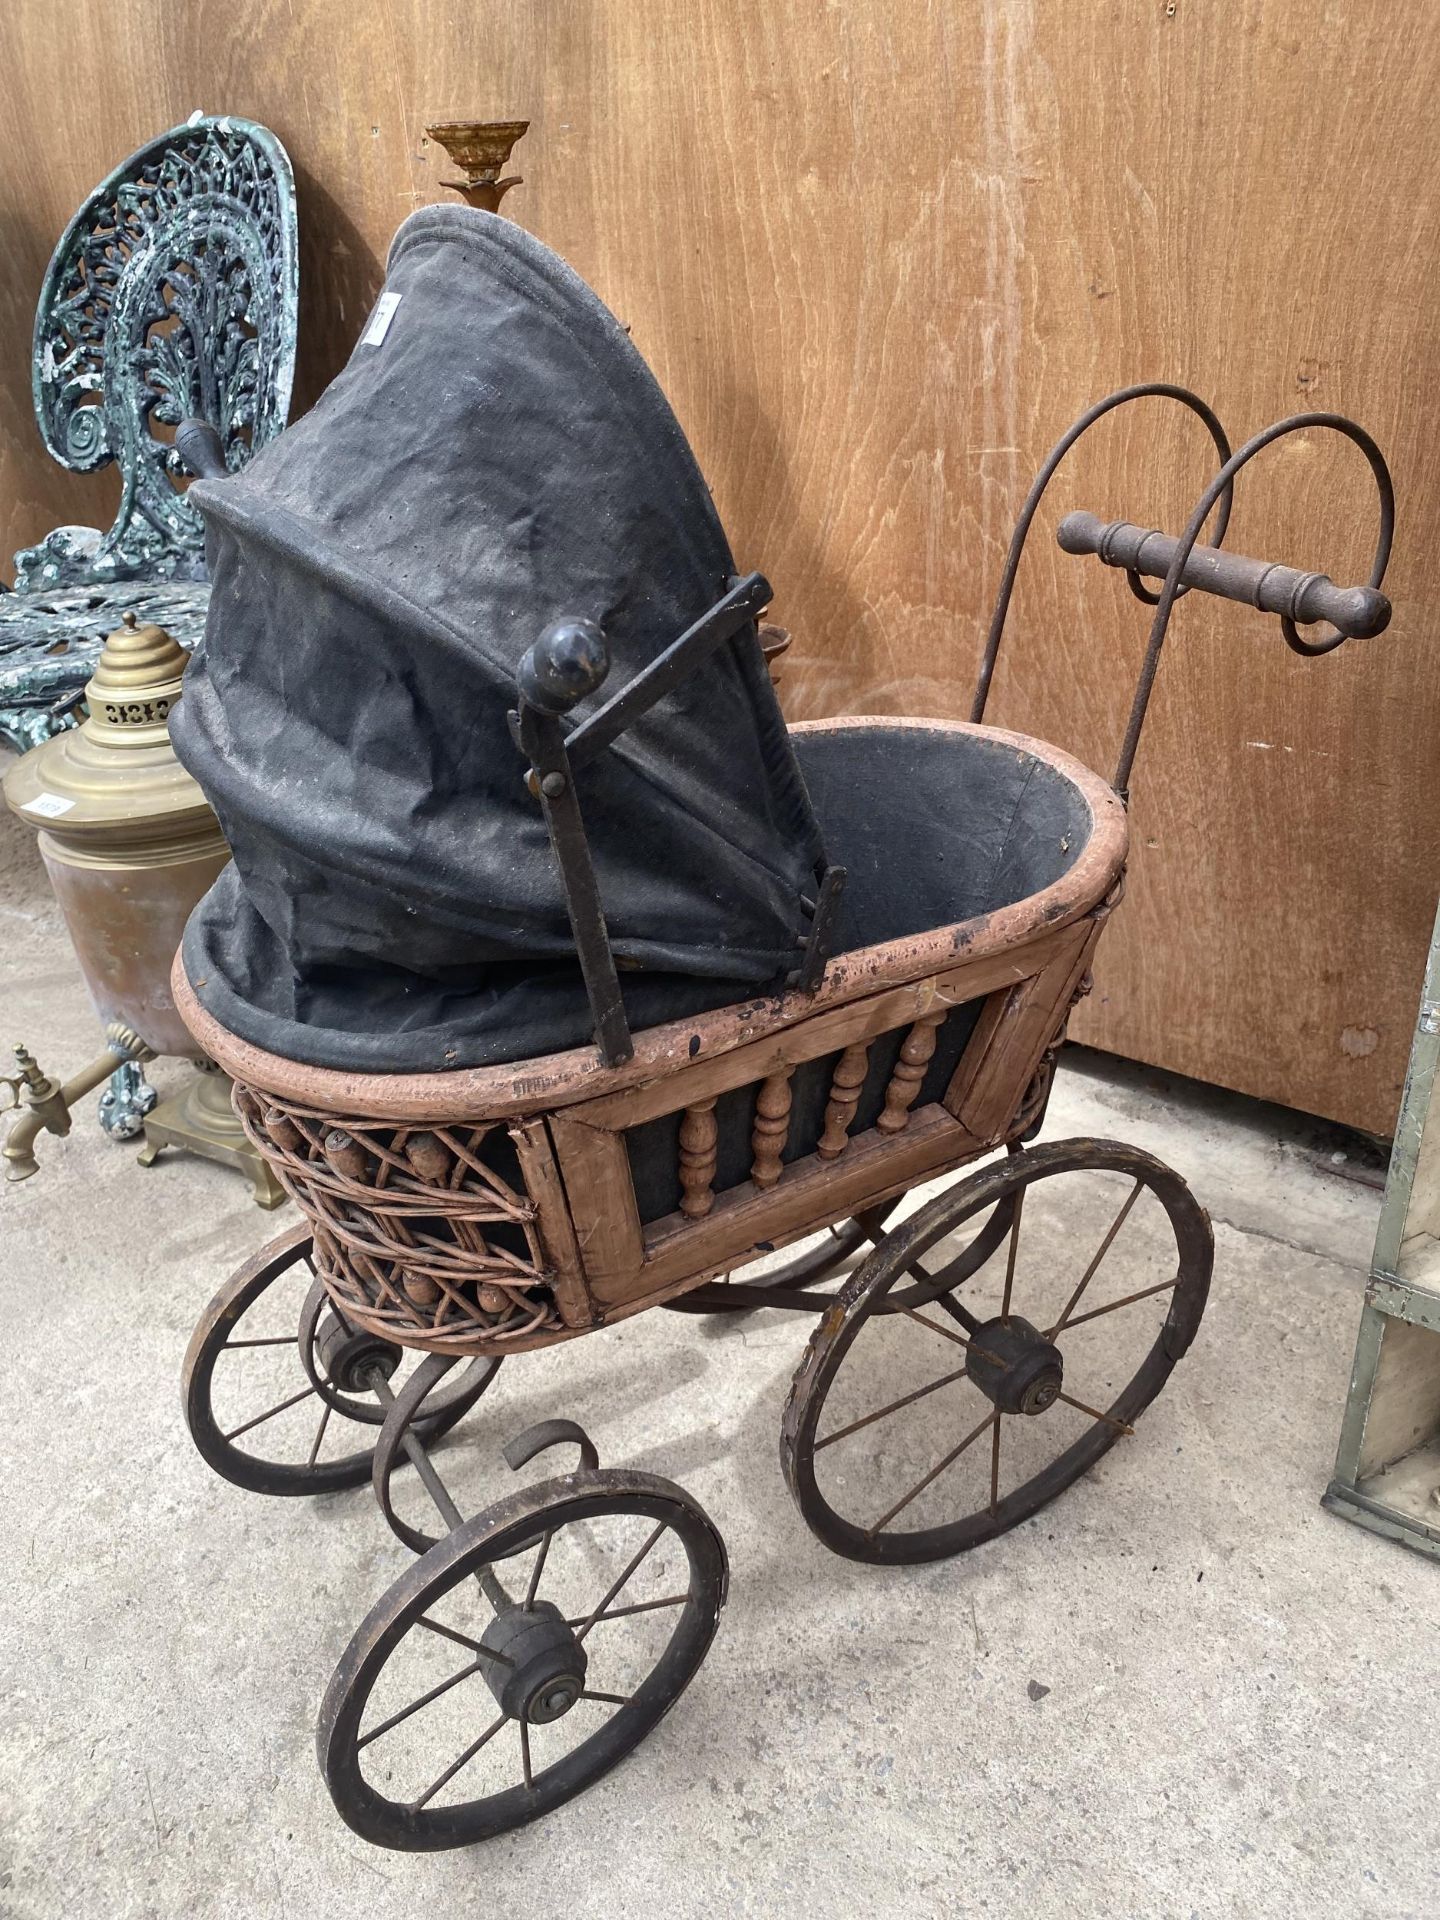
(495, 456)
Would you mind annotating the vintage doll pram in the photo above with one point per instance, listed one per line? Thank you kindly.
(830, 1009)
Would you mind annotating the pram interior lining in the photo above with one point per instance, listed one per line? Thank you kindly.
(934, 828)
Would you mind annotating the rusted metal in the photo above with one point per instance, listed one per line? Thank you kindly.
(1219, 490)
(1186, 566)
(533, 1660)
(1019, 1372)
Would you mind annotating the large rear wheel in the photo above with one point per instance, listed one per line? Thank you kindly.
(967, 1375)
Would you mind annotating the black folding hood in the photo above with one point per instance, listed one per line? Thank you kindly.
(496, 456)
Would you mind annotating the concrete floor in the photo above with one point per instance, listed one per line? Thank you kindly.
(1240, 1705)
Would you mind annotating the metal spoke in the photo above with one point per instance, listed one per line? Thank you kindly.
(621, 1581)
(524, 1726)
(905, 1400)
(995, 1470)
(463, 1640)
(1108, 1418)
(273, 1340)
(269, 1414)
(448, 1633)
(911, 1313)
(319, 1434)
(610, 1699)
(947, 1303)
(945, 1334)
(464, 1761)
(1011, 1254)
(1101, 1251)
(620, 1613)
(415, 1705)
(537, 1570)
(1114, 1306)
(934, 1473)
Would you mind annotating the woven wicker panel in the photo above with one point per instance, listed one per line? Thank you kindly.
(423, 1231)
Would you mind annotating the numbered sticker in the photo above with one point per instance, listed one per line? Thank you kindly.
(380, 320)
(49, 805)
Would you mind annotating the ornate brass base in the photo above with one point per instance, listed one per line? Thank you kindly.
(201, 1120)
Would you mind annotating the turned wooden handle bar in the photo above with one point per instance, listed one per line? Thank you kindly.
(1358, 612)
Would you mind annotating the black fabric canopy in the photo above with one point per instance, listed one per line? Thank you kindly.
(495, 456)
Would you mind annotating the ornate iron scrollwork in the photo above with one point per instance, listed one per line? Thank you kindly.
(172, 293)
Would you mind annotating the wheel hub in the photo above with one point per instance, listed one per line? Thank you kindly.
(539, 1670)
(348, 1355)
(1015, 1366)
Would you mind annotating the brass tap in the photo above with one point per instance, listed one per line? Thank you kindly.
(47, 1104)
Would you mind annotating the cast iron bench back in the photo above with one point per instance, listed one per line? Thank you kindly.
(172, 292)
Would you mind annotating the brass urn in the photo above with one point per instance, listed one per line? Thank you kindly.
(129, 844)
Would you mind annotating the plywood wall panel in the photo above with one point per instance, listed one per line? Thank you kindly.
(879, 256)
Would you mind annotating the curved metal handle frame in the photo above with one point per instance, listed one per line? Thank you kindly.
(1152, 389)
(1222, 485)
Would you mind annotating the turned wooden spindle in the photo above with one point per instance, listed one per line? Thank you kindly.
(430, 1157)
(772, 1125)
(419, 1289)
(909, 1072)
(493, 1299)
(283, 1131)
(347, 1156)
(698, 1134)
(845, 1085)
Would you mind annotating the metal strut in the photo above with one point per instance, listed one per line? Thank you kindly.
(567, 663)
(1183, 564)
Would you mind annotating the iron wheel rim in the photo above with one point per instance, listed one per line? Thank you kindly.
(214, 1335)
(866, 1294)
(500, 1533)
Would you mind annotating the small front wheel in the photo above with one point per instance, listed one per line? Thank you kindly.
(258, 1389)
(926, 1418)
(520, 1659)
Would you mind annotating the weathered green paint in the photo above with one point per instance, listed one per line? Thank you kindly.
(1389, 1297)
(173, 292)
(50, 642)
(127, 1098)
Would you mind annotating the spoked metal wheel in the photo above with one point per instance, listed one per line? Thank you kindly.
(820, 1258)
(270, 1373)
(521, 1659)
(915, 1431)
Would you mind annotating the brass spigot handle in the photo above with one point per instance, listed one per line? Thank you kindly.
(47, 1104)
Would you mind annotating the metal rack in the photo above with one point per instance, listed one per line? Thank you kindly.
(1387, 1471)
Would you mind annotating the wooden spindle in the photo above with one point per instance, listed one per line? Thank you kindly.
(772, 1125)
(419, 1289)
(430, 1157)
(283, 1131)
(845, 1085)
(909, 1072)
(698, 1134)
(348, 1157)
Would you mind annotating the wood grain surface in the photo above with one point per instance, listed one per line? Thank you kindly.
(879, 256)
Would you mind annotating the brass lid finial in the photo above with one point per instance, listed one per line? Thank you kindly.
(136, 682)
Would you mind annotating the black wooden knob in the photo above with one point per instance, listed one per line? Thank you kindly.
(569, 660)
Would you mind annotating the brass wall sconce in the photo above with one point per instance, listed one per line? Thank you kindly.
(480, 149)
